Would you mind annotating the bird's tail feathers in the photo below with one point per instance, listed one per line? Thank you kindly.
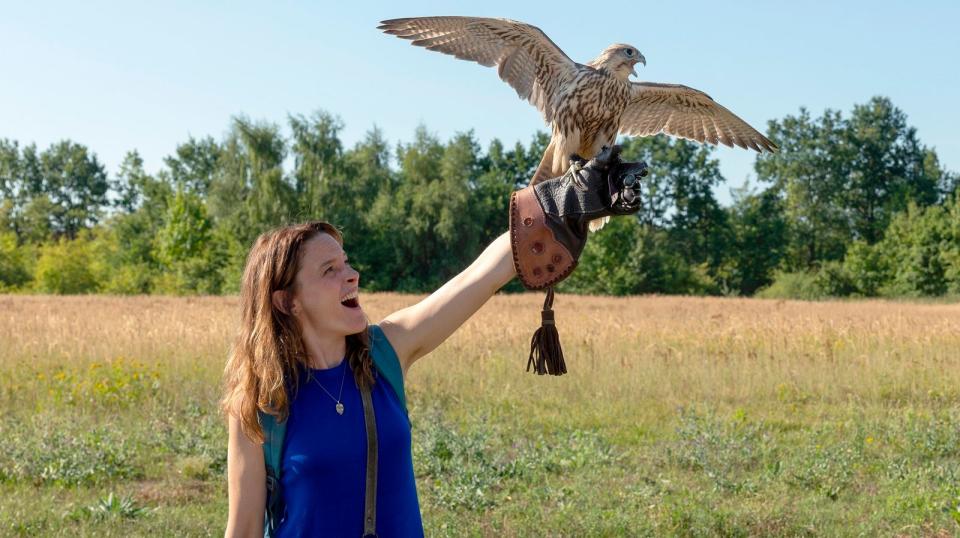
(545, 169)
(596, 224)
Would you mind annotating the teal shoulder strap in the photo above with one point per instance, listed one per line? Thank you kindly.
(385, 358)
(273, 434)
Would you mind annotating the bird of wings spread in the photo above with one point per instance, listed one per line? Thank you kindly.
(525, 57)
(546, 77)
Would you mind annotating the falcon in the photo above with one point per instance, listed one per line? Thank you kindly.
(586, 105)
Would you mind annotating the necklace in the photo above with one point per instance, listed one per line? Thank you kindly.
(337, 399)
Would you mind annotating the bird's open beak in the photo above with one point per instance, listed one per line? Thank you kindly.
(640, 60)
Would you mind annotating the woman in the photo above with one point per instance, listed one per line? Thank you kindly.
(302, 334)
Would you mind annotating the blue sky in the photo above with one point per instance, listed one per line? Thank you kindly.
(117, 76)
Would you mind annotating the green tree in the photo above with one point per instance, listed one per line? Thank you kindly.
(759, 237)
(186, 230)
(124, 244)
(678, 198)
(500, 172)
(186, 248)
(318, 174)
(34, 223)
(427, 217)
(249, 193)
(370, 242)
(76, 184)
(20, 182)
(129, 183)
(844, 179)
(194, 164)
(455, 227)
(886, 168)
(809, 173)
(610, 263)
(413, 213)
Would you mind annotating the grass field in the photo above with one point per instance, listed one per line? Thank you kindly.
(679, 417)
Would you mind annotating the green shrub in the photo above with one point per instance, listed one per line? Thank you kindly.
(128, 280)
(120, 264)
(627, 258)
(14, 270)
(828, 470)
(109, 507)
(793, 286)
(913, 248)
(45, 451)
(196, 467)
(64, 267)
(725, 451)
(866, 269)
(834, 280)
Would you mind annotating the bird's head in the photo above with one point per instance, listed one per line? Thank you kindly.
(619, 60)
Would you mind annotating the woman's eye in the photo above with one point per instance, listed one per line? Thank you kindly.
(328, 270)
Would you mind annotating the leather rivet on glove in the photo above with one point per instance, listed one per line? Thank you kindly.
(537, 271)
(528, 221)
(556, 258)
(549, 268)
(537, 248)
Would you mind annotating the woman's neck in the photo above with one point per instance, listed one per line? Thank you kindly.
(324, 353)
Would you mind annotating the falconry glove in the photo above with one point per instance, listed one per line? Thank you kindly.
(549, 225)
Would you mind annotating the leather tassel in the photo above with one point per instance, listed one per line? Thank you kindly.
(546, 355)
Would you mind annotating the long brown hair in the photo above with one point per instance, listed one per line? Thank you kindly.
(268, 354)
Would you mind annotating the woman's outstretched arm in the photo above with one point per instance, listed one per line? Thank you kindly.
(417, 330)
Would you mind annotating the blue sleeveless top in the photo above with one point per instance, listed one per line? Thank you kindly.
(324, 464)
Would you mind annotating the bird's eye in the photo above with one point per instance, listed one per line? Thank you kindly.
(629, 52)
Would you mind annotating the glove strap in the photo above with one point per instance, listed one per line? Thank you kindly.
(546, 355)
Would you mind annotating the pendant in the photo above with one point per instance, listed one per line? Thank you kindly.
(339, 408)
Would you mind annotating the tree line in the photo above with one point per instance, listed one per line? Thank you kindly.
(852, 205)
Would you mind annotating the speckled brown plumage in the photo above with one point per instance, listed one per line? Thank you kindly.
(585, 105)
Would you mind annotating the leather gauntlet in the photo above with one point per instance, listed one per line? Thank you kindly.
(549, 221)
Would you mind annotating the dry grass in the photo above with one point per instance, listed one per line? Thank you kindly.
(626, 350)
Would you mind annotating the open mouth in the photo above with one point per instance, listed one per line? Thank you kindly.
(351, 303)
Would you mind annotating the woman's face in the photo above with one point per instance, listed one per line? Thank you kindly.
(323, 281)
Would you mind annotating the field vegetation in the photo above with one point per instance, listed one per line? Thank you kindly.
(679, 417)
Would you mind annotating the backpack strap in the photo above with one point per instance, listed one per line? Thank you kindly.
(273, 434)
(387, 363)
